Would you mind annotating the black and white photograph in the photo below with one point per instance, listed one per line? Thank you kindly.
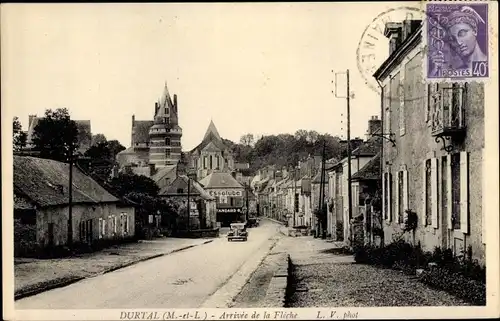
(250, 161)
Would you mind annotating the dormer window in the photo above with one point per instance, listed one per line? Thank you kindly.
(180, 191)
(166, 110)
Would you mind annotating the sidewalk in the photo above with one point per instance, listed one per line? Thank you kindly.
(322, 278)
(33, 276)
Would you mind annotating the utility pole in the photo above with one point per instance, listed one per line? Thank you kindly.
(246, 194)
(189, 205)
(349, 187)
(70, 200)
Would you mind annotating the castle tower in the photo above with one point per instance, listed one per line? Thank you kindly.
(165, 134)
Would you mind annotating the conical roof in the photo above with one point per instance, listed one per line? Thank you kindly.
(212, 130)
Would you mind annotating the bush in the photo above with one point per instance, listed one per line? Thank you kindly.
(460, 276)
(457, 284)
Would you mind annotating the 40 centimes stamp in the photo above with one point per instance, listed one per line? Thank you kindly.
(372, 47)
(457, 41)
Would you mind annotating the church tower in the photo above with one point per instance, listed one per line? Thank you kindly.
(165, 134)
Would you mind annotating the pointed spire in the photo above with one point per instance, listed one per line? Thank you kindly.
(212, 130)
(166, 100)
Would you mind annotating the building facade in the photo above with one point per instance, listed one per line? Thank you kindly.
(434, 167)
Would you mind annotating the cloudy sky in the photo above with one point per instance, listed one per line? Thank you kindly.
(252, 68)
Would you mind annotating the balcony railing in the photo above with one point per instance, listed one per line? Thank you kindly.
(447, 111)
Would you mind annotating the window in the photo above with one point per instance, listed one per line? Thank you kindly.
(204, 162)
(430, 193)
(218, 162)
(455, 191)
(387, 196)
(387, 108)
(180, 191)
(401, 195)
(167, 153)
(457, 196)
(167, 141)
(114, 223)
(231, 200)
(125, 223)
(101, 233)
(166, 110)
(168, 120)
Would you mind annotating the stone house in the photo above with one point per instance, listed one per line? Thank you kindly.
(433, 165)
(368, 184)
(338, 221)
(229, 194)
(41, 194)
(202, 206)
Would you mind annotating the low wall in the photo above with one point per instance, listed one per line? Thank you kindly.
(278, 287)
(193, 234)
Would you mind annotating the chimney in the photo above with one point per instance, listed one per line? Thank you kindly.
(409, 27)
(31, 117)
(175, 102)
(393, 31)
(157, 106)
(374, 125)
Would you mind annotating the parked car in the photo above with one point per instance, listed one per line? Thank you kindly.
(253, 222)
(237, 231)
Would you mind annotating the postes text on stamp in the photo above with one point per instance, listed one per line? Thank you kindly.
(457, 41)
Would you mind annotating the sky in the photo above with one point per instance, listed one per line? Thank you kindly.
(262, 68)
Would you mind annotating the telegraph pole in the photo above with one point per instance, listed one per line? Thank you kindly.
(349, 187)
(189, 205)
(70, 200)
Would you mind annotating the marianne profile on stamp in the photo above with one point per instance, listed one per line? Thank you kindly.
(457, 41)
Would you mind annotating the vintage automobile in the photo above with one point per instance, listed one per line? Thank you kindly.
(238, 231)
(253, 222)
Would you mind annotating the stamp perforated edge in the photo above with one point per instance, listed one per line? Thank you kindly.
(424, 46)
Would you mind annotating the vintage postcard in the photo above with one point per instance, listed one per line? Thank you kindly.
(250, 161)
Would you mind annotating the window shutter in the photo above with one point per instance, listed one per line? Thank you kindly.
(426, 101)
(464, 192)
(406, 205)
(384, 196)
(483, 202)
(434, 193)
(104, 227)
(397, 198)
(424, 193)
(448, 192)
(100, 227)
(389, 195)
(128, 223)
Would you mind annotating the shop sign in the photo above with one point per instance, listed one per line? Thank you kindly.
(229, 210)
(226, 192)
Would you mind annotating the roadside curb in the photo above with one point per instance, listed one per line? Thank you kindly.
(276, 294)
(275, 221)
(23, 294)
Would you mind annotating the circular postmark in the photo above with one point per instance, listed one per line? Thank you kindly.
(373, 47)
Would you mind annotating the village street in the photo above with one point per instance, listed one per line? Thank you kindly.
(186, 279)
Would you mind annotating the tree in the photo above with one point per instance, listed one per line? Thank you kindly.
(312, 136)
(247, 140)
(115, 147)
(98, 138)
(56, 135)
(301, 134)
(128, 183)
(18, 136)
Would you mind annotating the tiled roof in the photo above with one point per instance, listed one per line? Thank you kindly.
(220, 180)
(141, 131)
(162, 172)
(182, 182)
(84, 132)
(211, 136)
(212, 130)
(211, 148)
(369, 148)
(371, 170)
(22, 203)
(45, 183)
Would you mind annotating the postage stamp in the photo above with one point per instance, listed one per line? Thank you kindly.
(457, 41)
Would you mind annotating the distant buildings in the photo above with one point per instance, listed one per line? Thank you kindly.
(84, 133)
